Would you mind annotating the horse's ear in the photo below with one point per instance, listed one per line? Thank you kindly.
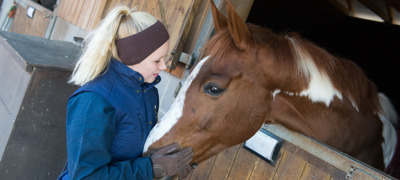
(220, 21)
(237, 27)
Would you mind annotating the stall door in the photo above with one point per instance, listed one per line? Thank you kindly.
(31, 19)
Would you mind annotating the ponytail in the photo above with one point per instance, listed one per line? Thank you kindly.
(100, 43)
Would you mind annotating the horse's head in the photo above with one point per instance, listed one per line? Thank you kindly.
(250, 76)
(224, 100)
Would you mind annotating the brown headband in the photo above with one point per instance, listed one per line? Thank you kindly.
(135, 48)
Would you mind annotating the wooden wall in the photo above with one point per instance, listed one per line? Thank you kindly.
(84, 14)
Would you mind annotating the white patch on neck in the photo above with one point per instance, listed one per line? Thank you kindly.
(320, 88)
(175, 111)
(388, 116)
(354, 104)
(277, 91)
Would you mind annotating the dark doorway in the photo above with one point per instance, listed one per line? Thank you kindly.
(374, 46)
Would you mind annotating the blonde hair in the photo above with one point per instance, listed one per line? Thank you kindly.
(100, 43)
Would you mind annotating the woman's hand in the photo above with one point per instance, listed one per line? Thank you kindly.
(168, 162)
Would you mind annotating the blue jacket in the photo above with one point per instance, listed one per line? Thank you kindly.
(108, 121)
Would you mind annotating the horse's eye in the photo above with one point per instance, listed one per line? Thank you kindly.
(213, 89)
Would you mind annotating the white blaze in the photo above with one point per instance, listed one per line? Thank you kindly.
(175, 111)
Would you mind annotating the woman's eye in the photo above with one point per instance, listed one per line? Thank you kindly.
(213, 90)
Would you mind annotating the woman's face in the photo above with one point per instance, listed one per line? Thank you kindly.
(153, 64)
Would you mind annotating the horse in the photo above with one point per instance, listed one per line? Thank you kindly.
(250, 76)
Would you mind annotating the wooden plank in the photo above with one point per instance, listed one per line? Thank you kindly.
(291, 167)
(197, 25)
(312, 172)
(125, 2)
(179, 71)
(314, 161)
(108, 6)
(77, 12)
(336, 159)
(86, 11)
(264, 170)
(96, 14)
(71, 11)
(83, 14)
(244, 165)
(378, 11)
(201, 172)
(223, 163)
(86, 14)
(62, 10)
(111, 4)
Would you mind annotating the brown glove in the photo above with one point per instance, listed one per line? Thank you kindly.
(185, 171)
(167, 162)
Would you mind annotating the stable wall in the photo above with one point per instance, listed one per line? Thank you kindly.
(34, 94)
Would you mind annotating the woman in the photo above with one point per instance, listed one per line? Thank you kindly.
(111, 114)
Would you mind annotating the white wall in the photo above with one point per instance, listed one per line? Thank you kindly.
(166, 89)
(65, 31)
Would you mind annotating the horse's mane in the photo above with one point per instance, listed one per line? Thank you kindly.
(294, 53)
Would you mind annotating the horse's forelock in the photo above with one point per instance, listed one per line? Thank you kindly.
(219, 45)
(224, 55)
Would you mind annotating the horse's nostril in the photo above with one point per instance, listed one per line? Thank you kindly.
(194, 165)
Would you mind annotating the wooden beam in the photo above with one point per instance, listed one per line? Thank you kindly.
(394, 4)
(162, 13)
(389, 9)
(340, 6)
(197, 25)
(350, 4)
(374, 8)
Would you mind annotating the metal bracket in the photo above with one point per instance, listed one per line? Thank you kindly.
(186, 59)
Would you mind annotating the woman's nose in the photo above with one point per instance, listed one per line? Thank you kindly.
(163, 65)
